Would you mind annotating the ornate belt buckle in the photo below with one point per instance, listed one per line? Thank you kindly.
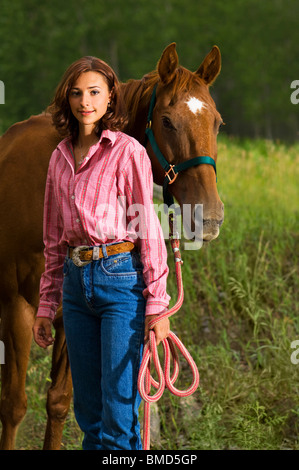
(76, 256)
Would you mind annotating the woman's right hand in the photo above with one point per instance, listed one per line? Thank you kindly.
(42, 332)
(161, 329)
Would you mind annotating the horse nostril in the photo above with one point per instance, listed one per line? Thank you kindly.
(210, 231)
(212, 222)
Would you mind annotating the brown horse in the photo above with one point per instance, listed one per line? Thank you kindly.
(185, 125)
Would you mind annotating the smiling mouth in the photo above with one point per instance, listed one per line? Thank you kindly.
(86, 113)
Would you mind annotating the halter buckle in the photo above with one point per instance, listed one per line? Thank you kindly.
(171, 180)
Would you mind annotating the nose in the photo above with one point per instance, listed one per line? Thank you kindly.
(85, 100)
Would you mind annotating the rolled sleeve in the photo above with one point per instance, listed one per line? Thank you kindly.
(52, 278)
(136, 184)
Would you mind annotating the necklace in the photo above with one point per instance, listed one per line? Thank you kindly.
(85, 152)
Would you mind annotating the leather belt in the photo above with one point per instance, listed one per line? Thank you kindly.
(82, 255)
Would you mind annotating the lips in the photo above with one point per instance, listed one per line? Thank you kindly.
(86, 113)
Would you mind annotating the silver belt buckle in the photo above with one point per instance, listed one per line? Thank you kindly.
(76, 256)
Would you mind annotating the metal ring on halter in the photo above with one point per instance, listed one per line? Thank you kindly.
(171, 180)
(76, 256)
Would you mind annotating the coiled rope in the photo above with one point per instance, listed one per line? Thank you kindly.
(170, 346)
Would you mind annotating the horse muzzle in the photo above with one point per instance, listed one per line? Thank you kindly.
(211, 229)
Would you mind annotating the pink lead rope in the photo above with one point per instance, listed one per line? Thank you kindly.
(170, 346)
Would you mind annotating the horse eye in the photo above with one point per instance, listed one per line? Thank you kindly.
(167, 123)
(218, 125)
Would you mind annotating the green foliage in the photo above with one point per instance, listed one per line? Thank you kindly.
(240, 312)
(257, 40)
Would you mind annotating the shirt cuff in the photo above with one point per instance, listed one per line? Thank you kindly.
(46, 311)
(155, 307)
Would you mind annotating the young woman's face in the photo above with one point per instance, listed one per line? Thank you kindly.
(89, 98)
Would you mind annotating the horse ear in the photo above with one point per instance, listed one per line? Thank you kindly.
(168, 63)
(211, 66)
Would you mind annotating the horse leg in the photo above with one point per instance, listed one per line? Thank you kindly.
(60, 392)
(16, 331)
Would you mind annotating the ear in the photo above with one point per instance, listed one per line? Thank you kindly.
(111, 94)
(168, 63)
(211, 66)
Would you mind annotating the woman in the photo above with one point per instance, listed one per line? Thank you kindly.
(109, 267)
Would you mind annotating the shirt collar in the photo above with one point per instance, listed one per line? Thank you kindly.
(107, 134)
(64, 145)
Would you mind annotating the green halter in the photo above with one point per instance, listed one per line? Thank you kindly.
(171, 171)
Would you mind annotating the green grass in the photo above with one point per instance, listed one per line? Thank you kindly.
(239, 317)
(32, 429)
(241, 307)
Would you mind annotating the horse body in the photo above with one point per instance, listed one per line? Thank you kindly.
(25, 152)
(183, 129)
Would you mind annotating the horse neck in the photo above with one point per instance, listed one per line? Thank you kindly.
(137, 95)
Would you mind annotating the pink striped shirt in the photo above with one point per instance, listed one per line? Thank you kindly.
(98, 204)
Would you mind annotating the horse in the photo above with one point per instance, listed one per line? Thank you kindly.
(185, 124)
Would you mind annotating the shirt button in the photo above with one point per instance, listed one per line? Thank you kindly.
(73, 197)
(77, 220)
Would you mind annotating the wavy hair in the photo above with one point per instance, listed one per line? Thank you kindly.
(63, 119)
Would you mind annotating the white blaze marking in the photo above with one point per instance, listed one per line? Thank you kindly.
(195, 105)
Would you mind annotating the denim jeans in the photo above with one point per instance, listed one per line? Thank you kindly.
(103, 312)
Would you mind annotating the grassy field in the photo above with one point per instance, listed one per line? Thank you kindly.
(239, 318)
(241, 308)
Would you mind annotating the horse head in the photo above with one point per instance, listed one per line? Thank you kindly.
(185, 123)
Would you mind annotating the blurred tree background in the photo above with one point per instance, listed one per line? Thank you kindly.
(258, 41)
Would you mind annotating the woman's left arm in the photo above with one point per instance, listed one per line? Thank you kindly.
(136, 184)
(161, 329)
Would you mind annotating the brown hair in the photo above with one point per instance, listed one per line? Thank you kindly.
(63, 119)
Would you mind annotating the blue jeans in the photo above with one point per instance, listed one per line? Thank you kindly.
(103, 312)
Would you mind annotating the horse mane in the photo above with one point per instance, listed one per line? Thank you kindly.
(138, 92)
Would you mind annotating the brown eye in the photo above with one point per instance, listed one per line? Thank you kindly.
(167, 123)
(74, 93)
(218, 125)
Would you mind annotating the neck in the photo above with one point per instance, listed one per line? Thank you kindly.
(87, 136)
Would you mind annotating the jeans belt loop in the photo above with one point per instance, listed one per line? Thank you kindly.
(104, 251)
